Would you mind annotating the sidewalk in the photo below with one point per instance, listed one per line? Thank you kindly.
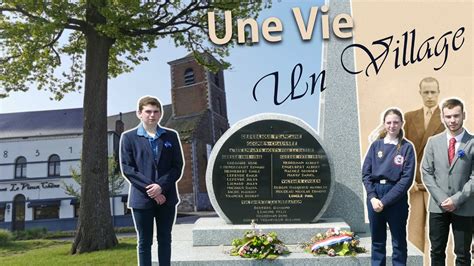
(183, 218)
(191, 217)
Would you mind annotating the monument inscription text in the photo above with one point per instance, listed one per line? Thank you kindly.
(271, 171)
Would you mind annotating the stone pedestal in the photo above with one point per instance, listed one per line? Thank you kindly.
(184, 252)
(214, 231)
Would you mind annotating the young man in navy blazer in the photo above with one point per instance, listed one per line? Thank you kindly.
(151, 160)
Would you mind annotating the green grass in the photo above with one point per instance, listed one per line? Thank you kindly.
(53, 252)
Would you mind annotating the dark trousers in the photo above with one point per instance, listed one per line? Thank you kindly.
(439, 232)
(396, 217)
(164, 217)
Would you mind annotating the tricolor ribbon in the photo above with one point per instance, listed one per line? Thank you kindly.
(331, 241)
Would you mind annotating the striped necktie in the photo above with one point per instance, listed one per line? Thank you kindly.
(451, 148)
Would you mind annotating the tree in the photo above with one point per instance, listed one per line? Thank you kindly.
(104, 39)
(116, 181)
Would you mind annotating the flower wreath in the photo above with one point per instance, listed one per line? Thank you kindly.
(335, 242)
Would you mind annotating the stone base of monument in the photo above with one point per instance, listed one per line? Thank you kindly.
(213, 231)
(218, 256)
(185, 252)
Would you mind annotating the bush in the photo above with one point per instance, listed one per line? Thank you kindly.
(127, 229)
(59, 234)
(34, 233)
(5, 237)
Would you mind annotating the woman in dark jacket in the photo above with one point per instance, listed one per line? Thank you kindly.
(387, 173)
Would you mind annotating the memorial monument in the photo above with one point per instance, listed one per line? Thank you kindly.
(271, 169)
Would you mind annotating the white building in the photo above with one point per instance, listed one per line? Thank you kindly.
(37, 152)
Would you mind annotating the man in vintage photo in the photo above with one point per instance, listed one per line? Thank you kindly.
(448, 174)
(151, 160)
(419, 126)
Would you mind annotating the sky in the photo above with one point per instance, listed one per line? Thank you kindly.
(249, 64)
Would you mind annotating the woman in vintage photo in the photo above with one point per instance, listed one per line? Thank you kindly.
(387, 173)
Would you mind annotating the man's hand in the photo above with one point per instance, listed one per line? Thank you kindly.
(376, 204)
(448, 205)
(160, 199)
(153, 190)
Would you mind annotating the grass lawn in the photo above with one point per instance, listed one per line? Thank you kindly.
(54, 252)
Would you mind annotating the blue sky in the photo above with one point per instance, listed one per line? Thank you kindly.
(249, 64)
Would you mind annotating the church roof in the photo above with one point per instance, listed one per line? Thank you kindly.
(184, 125)
(190, 57)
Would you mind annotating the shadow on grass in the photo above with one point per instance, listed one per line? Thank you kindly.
(22, 246)
(126, 246)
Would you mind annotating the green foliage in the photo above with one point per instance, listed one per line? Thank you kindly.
(59, 234)
(43, 43)
(130, 229)
(5, 237)
(116, 181)
(28, 234)
(40, 233)
(258, 245)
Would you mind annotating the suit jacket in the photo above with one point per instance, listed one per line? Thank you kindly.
(414, 129)
(455, 181)
(136, 163)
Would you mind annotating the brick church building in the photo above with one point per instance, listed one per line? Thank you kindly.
(198, 112)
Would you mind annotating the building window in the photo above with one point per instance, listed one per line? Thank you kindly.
(76, 209)
(75, 203)
(20, 167)
(126, 210)
(188, 76)
(46, 212)
(54, 164)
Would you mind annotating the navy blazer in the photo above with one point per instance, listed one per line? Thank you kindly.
(136, 163)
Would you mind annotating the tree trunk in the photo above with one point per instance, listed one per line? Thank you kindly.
(95, 230)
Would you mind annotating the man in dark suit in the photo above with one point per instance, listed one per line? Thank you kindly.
(419, 126)
(448, 174)
(151, 160)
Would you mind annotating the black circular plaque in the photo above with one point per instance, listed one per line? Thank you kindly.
(271, 170)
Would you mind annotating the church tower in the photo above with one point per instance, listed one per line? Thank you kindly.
(195, 90)
(199, 114)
